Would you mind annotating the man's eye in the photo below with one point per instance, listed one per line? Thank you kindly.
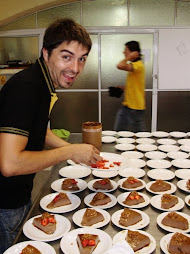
(66, 57)
(82, 59)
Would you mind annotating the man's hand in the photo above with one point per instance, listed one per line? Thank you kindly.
(132, 56)
(85, 154)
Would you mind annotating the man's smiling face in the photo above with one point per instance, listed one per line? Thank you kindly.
(65, 63)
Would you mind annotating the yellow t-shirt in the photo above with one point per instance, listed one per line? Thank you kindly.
(134, 96)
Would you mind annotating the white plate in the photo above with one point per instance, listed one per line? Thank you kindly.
(62, 228)
(120, 182)
(170, 229)
(125, 140)
(177, 155)
(74, 171)
(146, 147)
(168, 148)
(89, 198)
(185, 148)
(187, 198)
(164, 242)
(183, 173)
(135, 163)
(182, 185)
(75, 202)
(184, 141)
(120, 236)
(160, 134)
(124, 147)
(125, 134)
(181, 163)
(141, 224)
(56, 185)
(155, 155)
(143, 134)
(104, 173)
(145, 141)
(43, 247)
(166, 141)
(161, 173)
(109, 133)
(70, 162)
(121, 198)
(132, 155)
(172, 190)
(156, 202)
(90, 184)
(178, 134)
(135, 172)
(78, 215)
(159, 164)
(111, 158)
(108, 139)
(69, 245)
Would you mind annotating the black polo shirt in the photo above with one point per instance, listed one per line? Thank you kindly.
(24, 110)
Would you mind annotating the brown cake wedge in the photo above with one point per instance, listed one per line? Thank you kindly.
(134, 198)
(69, 184)
(60, 200)
(87, 243)
(175, 220)
(91, 217)
(159, 186)
(131, 183)
(136, 240)
(29, 249)
(168, 201)
(179, 244)
(99, 199)
(46, 223)
(103, 184)
(129, 217)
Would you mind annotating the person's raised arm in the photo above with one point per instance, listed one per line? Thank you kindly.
(124, 65)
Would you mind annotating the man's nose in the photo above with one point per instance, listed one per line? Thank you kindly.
(74, 65)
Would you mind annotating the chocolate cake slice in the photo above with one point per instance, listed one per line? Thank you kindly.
(134, 198)
(188, 184)
(91, 217)
(129, 217)
(99, 199)
(136, 240)
(160, 185)
(103, 184)
(87, 243)
(179, 244)
(69, 185)
(46, 223)
(168, 201)
(131, 183)
(175, 220)
(60, 200)
(29, 249)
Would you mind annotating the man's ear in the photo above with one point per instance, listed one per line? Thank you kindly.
(45, 54)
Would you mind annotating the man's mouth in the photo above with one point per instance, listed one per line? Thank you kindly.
(69, 77)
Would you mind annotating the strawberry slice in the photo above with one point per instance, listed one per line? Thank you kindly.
(85, 242)
(44, 222)
(91, 242)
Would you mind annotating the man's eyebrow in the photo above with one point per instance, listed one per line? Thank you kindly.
(70, 52)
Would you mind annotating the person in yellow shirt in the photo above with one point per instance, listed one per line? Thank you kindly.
(131, 115)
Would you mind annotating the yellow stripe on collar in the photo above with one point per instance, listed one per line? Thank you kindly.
(54, 98)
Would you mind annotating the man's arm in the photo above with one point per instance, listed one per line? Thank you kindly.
(124, 65)
(15, 160)
(54, 141)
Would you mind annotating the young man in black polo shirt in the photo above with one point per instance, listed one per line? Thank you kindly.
(26, 101)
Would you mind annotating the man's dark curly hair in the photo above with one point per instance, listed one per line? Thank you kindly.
(65, 30)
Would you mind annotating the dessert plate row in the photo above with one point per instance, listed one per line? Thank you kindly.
(155, 201)
(171, 229)
(43, 247)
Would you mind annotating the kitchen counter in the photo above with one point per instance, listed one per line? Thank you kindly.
(111, 229)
